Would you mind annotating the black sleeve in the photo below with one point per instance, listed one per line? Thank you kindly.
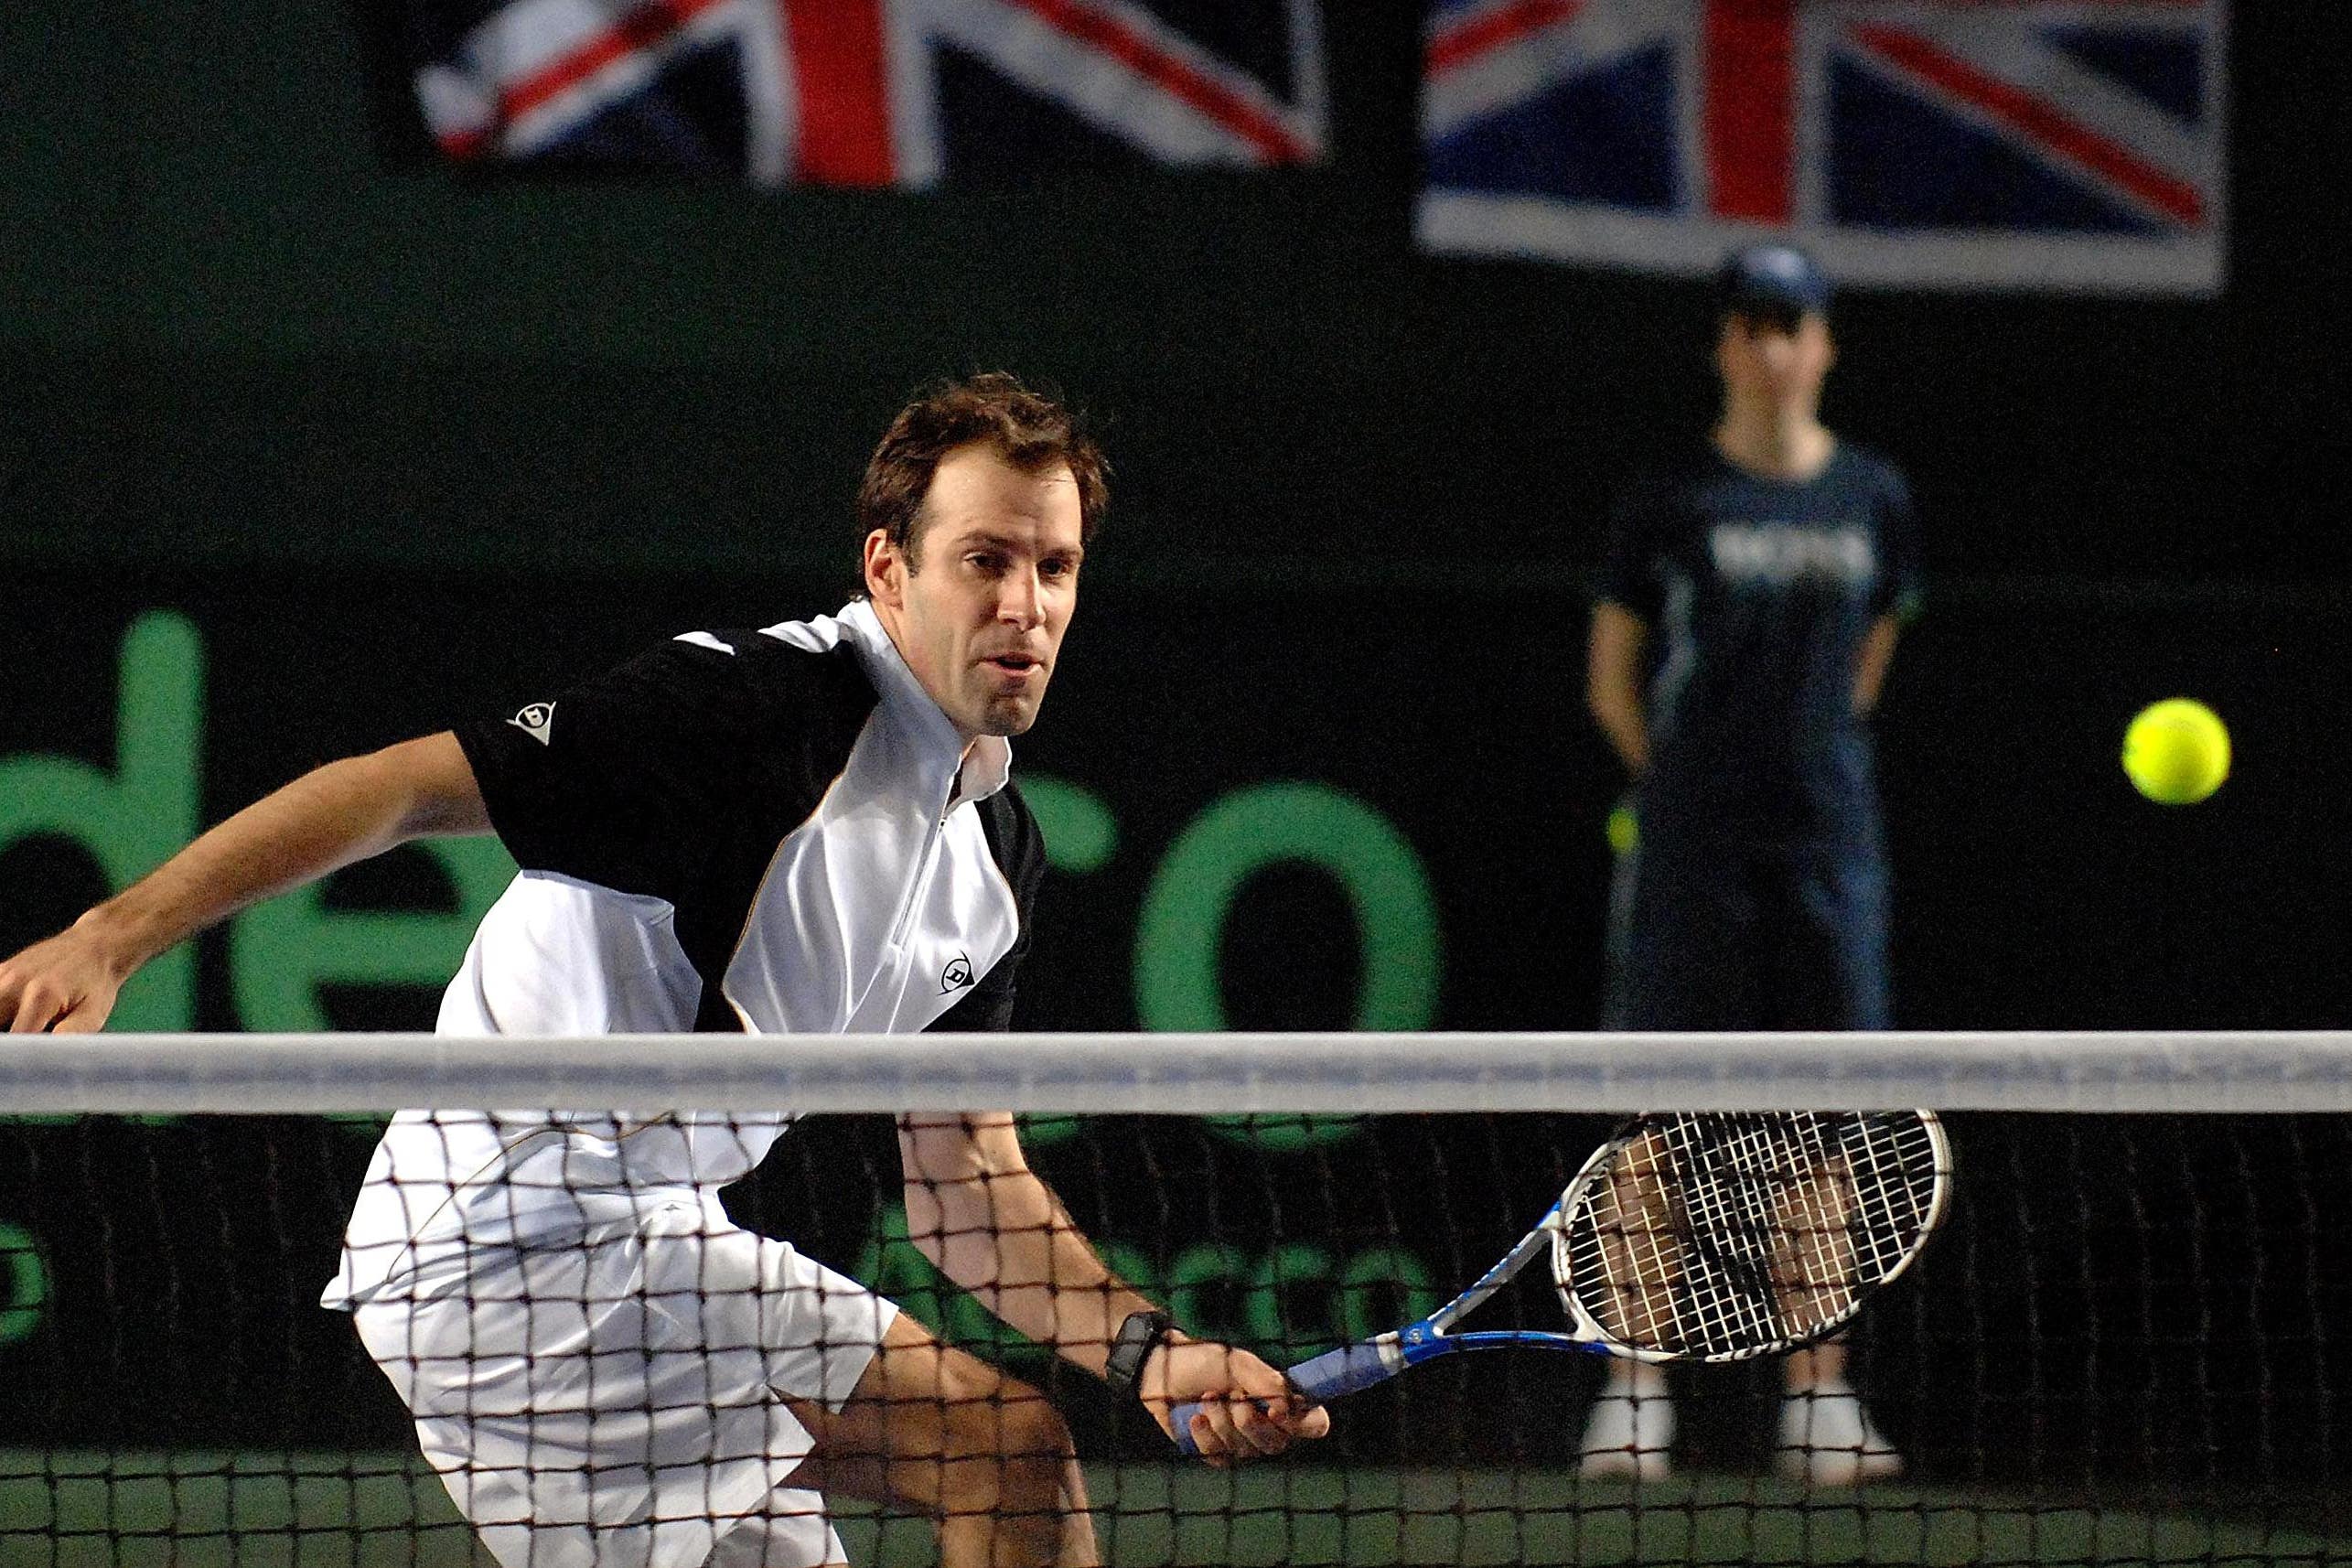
(1628, 574)
(1020, 850)
(619, 780)
(1899, 566)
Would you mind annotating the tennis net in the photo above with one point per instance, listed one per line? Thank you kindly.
(2126, 1344)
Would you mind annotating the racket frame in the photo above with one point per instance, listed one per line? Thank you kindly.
(1353, 1368)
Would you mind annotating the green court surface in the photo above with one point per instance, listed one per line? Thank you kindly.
(304, 1510)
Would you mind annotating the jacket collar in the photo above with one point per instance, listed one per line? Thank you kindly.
(908, 710)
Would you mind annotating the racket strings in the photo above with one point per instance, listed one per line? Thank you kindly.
(1757, 1212)
(1722, 1235)
(1756, 1221)
(1891, 1156)
(1639, 1238)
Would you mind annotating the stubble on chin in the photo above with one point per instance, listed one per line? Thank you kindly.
(1010, 715)
(999, 713)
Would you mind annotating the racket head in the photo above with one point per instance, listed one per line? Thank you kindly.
(1722, 1236)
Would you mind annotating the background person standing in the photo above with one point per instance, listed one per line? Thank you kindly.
(1775, 561)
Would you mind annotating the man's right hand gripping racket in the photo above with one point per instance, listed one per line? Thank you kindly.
(1705, 1237)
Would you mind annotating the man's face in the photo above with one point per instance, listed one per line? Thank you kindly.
(1777, 356)
(979, 602)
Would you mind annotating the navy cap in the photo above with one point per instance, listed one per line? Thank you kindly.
(1771, 277)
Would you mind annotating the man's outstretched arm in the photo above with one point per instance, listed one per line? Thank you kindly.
(322, 821)
(991, 1224)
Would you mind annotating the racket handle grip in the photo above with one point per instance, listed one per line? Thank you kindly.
(1326, 1377)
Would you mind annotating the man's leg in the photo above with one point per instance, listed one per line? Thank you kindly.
(933, 1429)
(792, 1530)
(1686, 942)
(1833, 974)
(1682, 929)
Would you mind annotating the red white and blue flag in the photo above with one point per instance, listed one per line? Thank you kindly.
(870, 92)
(2061, 145)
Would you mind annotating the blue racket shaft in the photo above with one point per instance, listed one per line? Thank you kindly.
(1382, 1357)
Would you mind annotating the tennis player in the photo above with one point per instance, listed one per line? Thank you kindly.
(806, 828)
(1775, 562)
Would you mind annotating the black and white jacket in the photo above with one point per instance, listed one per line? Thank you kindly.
(772, 831)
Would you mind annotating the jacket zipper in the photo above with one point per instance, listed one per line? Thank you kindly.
(922, 868)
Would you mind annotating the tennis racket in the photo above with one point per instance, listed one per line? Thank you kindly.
(1705, 1237)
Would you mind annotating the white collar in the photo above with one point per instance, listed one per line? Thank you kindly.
(910, 710)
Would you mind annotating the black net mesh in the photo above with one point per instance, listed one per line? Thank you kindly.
(2119, 1351)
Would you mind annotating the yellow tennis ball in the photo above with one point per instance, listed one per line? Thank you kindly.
(2176, 752)
(1624, 830)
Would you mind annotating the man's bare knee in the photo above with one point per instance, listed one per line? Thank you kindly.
(933, 1428)
(1007, 1448)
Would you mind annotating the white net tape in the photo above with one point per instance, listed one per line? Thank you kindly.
(1186, 1074)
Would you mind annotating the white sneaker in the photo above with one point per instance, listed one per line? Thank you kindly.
(1628, 1437)
(1827, 1439)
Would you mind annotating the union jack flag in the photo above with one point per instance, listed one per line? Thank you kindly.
(870, 92)
(2067, 145)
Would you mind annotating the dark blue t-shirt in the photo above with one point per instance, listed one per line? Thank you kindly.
(1759, 593)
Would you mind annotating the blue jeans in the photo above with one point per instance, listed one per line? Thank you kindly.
(1733, 938)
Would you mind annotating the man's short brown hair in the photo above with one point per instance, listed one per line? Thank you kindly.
(1030, 430)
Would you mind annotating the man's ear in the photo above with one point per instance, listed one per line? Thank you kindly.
(885, 570)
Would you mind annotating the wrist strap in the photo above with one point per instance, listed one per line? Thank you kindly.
(1136, 1340)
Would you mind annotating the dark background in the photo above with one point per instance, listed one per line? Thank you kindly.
(244, 322)
(408, 446)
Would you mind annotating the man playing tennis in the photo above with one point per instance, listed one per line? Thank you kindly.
(807, 827)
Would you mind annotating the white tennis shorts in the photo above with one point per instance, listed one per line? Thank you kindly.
(615, 1404)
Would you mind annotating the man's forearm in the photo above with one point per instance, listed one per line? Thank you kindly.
(325, 820)
(1871, 663)
(1007, 1239)
(1628, 734)
(984, 1219)
(987, 1221)
(322, 821)
(1613, 660)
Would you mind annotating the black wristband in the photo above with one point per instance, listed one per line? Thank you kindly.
(1133, 1345)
